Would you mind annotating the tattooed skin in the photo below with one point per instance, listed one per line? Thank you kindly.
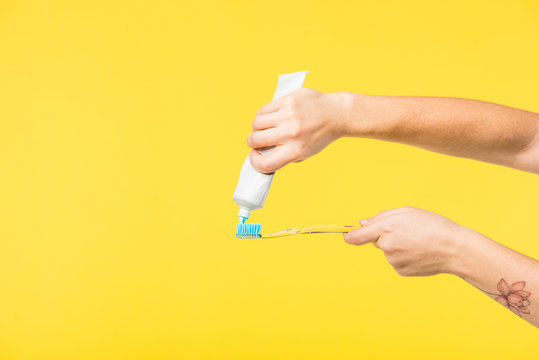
(514, 296)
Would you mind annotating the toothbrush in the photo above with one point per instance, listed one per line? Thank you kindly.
(252, 231)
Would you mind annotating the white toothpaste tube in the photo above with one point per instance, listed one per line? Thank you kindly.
(253, 186)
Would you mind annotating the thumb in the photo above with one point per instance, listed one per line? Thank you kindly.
(363, 235)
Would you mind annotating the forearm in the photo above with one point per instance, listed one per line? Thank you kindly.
(484, 263)
(459, 127)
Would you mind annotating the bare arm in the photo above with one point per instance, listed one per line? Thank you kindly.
(460, 127)
(420, 243)
(416, 242)
(304, 122)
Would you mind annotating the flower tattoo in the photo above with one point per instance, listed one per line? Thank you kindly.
(514, 297)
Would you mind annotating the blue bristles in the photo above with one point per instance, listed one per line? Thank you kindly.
(248, 231)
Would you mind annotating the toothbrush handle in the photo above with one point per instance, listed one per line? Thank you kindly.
(316, 229)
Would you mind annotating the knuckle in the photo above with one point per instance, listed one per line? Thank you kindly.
(402, 271)
(388, 227)
(289, 115)
(294, 103)
(289, 100)
(253, 140)
(295, 130)
(297, 153)
(388, 248)
(256, 123)
(265, 166)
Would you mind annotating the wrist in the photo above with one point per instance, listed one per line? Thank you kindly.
(467, 247)
(338, 105)
(376, 117)
(363, 115)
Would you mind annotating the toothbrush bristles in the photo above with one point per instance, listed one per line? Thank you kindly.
(248, 231)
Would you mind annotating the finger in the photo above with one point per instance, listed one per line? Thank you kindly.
(363, 235)
(270, 107)
(271, 162)
(265, 138)
(382, 215)
(266, 121)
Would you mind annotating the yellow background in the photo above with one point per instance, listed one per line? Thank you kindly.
(123, 128)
